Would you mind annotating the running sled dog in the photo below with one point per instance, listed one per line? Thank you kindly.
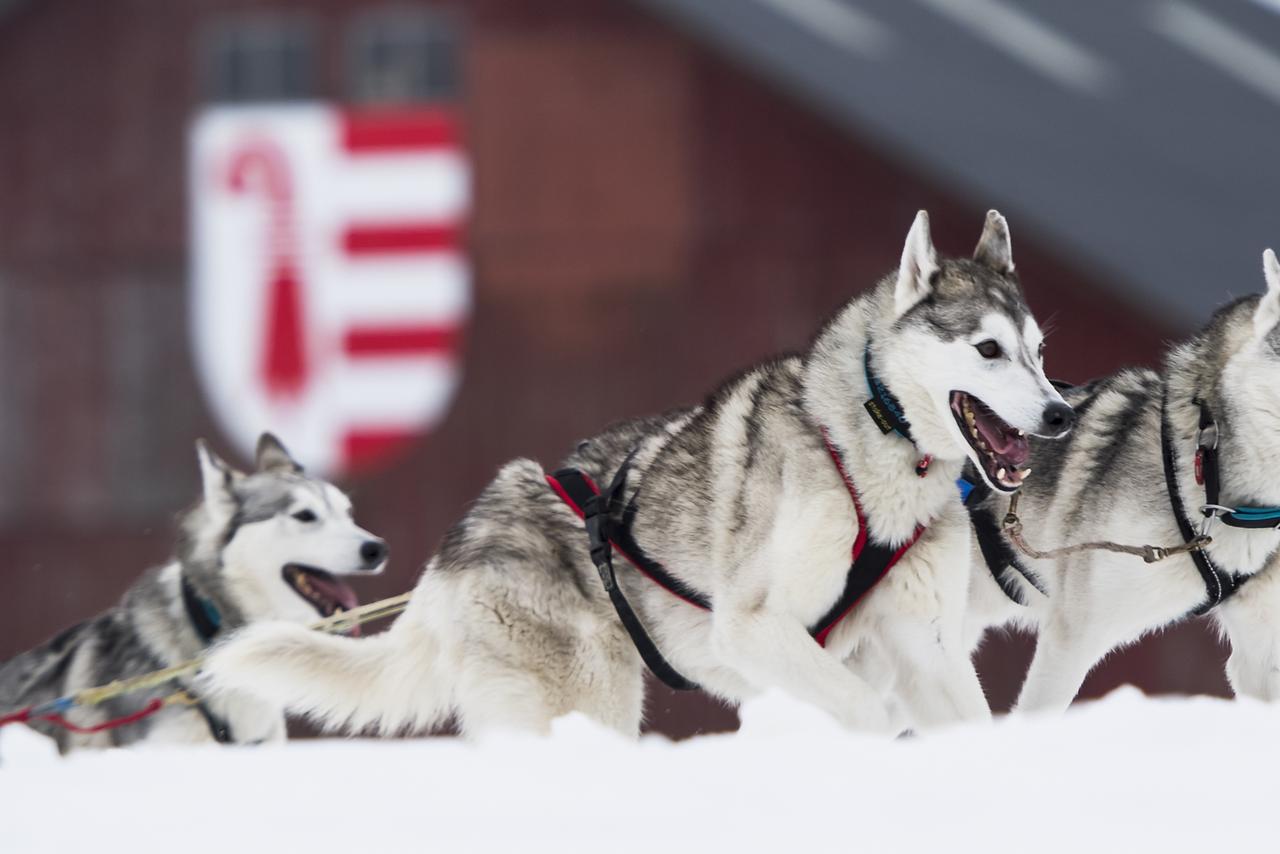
(1157, 458)
(740, 516)
(268, 545)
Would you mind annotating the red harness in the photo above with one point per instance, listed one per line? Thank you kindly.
(871, 560)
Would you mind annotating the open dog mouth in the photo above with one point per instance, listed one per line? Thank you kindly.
(322, 590)
(1002, 450)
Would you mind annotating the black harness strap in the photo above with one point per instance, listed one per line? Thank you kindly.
(579, 491)
(871, 560)
(1219, 585)
(996, 551)
(595, 507)
(1207, 474)
(207, 621)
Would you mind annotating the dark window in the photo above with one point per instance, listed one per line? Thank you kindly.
(261, 59)
(404, 55)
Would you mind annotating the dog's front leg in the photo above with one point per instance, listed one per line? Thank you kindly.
(937, 683)
(771, 649)
(1249, 619)
(873, 663)
(1064, 656)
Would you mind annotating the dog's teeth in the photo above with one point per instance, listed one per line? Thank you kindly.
(1025, 473)
(1000, 474)
(969, 416)
(1021, 434)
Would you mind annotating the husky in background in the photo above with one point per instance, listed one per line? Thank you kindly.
(269, 545)
(744, 502)
(1108, 483)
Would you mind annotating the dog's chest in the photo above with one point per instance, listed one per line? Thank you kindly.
(812, 550)
(814, 542)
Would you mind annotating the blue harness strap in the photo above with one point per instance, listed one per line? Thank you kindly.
(1207, 475)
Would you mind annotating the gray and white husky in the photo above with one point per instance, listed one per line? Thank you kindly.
(742, 500)
(268, 545)
(1108, 483)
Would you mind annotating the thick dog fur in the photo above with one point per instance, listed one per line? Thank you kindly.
(1107, 483)
(509, 625)
(234, 544)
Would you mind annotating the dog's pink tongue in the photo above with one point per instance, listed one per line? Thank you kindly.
(337, 591)
(1011, 447)
(1017, 452)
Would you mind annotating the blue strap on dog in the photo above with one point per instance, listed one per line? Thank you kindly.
(1207, 476)
(883, 407)
(886, 411)
(1252, 517)
(206, 619)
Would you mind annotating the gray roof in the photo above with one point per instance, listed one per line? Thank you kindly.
(1141, 139)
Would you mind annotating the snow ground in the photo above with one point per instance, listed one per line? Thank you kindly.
(1126, 773)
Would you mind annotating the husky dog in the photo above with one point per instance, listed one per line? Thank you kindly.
(262, 546)
(750, 504)
(1214, 407)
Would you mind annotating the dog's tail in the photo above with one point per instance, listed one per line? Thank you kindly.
(391, 681)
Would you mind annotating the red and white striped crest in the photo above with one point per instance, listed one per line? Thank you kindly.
(329, 286)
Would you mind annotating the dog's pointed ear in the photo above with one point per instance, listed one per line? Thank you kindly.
(994, 250)
(1266, 315)
(272, 455)
(916, 275)
(216, 477)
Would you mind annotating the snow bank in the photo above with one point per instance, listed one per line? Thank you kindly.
(1125, 773)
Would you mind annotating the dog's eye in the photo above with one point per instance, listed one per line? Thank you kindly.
(1040, 352)
(988, 349)
(305, 516)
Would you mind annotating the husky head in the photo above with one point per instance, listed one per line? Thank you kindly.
(272, 543)
(1234, 363)
(966, 357)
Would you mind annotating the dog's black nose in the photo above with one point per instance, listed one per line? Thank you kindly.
(373, 552)
(1058, 419)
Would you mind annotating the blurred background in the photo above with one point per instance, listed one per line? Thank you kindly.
(446, 214)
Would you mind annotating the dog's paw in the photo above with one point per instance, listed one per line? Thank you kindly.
(869, 717)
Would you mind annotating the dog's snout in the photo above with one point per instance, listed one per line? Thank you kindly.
(1058, 419)
(373, 553)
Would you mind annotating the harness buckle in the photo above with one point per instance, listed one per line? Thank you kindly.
(1154, 554)
(1208, 436)
(595, 515)
(1211, 512)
